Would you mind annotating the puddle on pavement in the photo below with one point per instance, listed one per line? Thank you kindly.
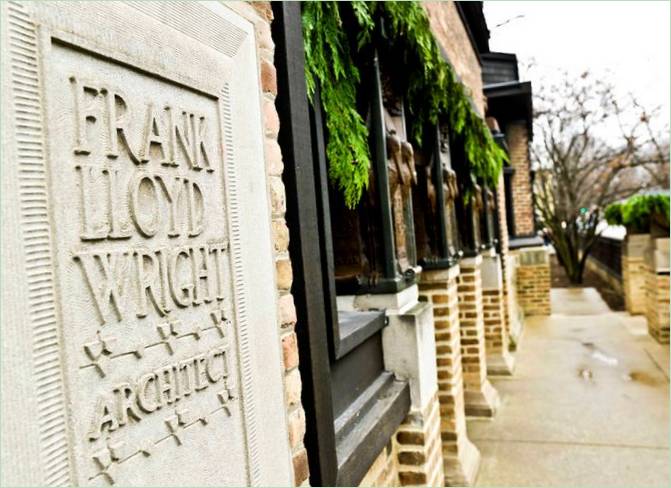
(641, 377)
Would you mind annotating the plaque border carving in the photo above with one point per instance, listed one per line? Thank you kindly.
(239, 298)
(227, 40)
(35, 227)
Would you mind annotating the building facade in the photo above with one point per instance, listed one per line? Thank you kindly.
(194, 303)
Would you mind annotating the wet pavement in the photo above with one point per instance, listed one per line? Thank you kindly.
(588, 404)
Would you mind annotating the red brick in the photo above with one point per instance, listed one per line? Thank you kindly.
(296, 427)
(284, 274)
(290, 351)
(287, 310)
(268, 77)
(301, 469)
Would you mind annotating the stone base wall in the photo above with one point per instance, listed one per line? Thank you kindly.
(461, 458)
(384, 470)
(634, 271)
(481, 397)
(657, 305)
(533, 281)
(419, 448)
(605, 274)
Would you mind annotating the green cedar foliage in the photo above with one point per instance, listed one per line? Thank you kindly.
(433, 91)
(638, 212)
(329, 65)
(613, 214)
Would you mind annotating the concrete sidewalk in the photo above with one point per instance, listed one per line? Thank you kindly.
(588, 404)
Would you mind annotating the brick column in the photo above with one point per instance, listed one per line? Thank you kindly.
(533, 280)
(482, 399)
(517, 138)
(634, 272)
(657, 290)
(410, 352)
(419, 452)
(499, 360)
(461, 459)
(510, 313)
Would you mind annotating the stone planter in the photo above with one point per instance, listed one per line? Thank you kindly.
(660, 254)
(636, 245)
(634, 272)
(657, 289)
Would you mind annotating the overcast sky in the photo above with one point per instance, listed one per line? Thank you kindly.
(627, 41)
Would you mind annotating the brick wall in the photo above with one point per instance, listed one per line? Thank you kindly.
(419, 448)
(413, 455)
(452, 36)
(517, 138)
(384, 470)
(533, 281)
(461, 458)
(261, 15)
(605, 274)
(481, 398)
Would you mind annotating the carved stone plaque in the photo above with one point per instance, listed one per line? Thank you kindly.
(145, 305)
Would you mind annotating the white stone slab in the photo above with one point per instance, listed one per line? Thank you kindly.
(445, 274)
(533, 256)
(409, 347)
(140, 339)
(399, 302)
(492, 277)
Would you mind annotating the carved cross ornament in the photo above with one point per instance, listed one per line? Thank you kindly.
(100, 351)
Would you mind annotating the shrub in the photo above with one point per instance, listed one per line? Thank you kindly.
(639, 213)
(613, 214)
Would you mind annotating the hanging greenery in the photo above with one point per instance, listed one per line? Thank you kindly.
(329, 65)
(432, 93)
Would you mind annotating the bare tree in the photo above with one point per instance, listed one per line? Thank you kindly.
(591, 148)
